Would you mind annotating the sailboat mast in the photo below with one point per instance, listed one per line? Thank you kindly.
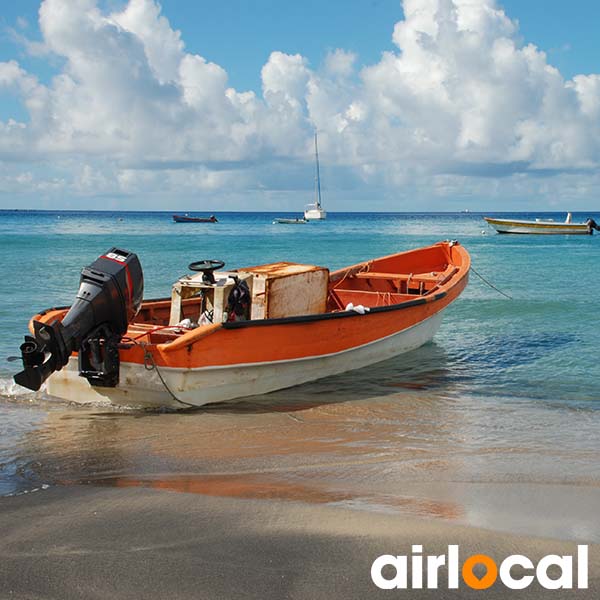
(318, 175)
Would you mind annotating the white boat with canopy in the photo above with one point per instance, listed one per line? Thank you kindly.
(543, 226)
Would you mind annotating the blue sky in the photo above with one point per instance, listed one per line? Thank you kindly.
(124, 102)
(567, 31)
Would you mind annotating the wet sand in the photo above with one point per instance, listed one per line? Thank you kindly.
(504, 466)
(105, 542)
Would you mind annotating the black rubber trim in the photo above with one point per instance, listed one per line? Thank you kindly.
(335, 315)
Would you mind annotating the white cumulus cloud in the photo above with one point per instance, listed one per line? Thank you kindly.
(461, 108)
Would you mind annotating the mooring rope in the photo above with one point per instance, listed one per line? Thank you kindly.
(490, 284)
(154, 367)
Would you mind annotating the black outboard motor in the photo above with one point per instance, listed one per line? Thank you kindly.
(110, 294)
(591, 224)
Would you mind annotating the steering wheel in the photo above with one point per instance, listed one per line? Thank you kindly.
(206, 267)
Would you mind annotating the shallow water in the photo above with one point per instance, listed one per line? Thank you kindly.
(497, 423)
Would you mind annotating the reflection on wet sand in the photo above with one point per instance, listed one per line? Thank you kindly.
(234, 486)
(398, 436)
(251, 486)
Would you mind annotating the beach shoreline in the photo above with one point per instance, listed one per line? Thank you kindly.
(93, 541)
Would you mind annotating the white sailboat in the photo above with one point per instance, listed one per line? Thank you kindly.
(315, 211)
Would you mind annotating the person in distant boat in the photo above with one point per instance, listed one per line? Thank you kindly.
(569, 218)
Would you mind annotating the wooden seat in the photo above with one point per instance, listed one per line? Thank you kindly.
(367, 298)
(417, 277)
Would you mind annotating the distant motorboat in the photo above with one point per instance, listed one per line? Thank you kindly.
(315, 211)
(187, 219)
(543, 227)
(284, 221)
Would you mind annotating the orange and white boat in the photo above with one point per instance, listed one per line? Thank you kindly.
(229, 334)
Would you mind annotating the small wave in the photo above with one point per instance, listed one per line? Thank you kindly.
(500, 351)
(13, 393)
(10, 389)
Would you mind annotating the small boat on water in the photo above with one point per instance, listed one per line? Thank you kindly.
(187, 219)
(285, 221)
(229, 334)
(544, 227)
(315, 211)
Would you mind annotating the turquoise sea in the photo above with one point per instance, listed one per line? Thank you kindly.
(508, 391)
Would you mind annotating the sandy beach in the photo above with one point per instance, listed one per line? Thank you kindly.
(98, 542)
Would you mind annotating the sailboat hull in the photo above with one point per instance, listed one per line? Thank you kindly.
(315, 214)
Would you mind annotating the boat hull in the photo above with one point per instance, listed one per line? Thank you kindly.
(290, 221)
(537, 227)
(184, 219)
(199, 386)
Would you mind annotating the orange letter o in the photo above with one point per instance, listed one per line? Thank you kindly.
(487, 580)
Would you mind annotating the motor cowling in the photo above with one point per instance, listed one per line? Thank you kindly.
(592, 225)
(109, 297)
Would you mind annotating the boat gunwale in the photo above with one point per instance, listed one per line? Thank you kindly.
(333, 315)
